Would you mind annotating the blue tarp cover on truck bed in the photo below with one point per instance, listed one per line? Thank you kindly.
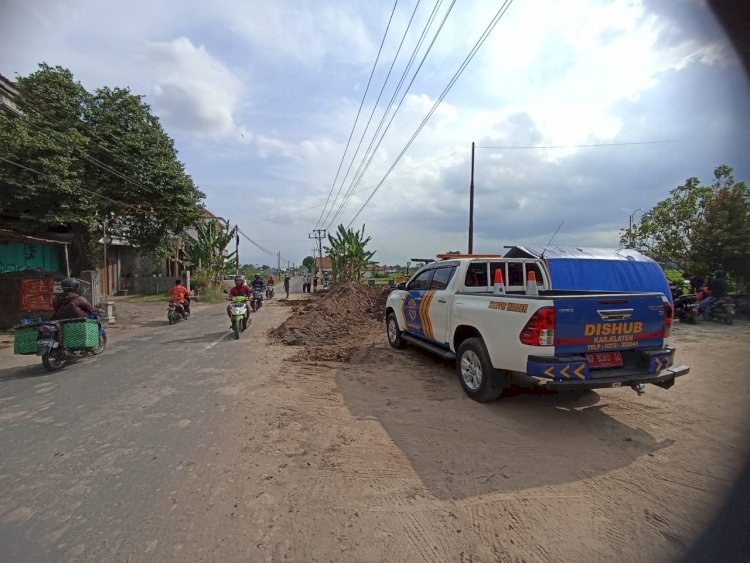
(597, 269)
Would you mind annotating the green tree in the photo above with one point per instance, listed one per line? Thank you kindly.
(347, 253)
(47, 191)
(82, 158)
(309, 263)
(722, 240)
(699, 228)
(133, 160)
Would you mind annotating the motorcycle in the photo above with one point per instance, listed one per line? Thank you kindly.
(686, 309)
(269, 292)
(722, 310)
(57, 348)
(257, 301)
(176, 313)
(238, 309)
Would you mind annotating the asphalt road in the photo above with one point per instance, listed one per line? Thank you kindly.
(90, 452)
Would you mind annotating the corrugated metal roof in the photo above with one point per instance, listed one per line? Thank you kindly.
(551, 252)
(10, 236)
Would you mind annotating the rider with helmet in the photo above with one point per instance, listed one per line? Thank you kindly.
(71, 305)
(240, 288)
(717, 288)
(257, 283)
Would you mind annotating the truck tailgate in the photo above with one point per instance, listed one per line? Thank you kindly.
(604, 323)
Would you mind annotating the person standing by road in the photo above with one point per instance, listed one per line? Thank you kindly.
(315, 283)
(286, 285)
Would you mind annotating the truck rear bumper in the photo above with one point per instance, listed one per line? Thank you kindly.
(665, 378)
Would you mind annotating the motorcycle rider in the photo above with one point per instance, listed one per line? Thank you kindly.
(717, 288)
(257, 283)
(181, 296)
(240, 288)
(71, 305)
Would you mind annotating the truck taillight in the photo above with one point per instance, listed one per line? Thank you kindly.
(540, 330)
(668, 315)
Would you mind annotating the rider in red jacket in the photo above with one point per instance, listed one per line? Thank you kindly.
(240, 288)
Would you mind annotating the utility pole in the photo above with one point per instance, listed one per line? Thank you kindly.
(237, 250)
(471, 204)
(319, 235)
(105, 293)
(278, 263)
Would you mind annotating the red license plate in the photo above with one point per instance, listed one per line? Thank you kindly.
(604, 360)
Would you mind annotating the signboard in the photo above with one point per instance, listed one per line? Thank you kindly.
(36, 295)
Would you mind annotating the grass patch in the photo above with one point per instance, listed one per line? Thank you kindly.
(203, 297)
(140, 298)
(211, 297)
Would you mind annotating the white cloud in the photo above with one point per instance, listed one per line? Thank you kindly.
(193, 90)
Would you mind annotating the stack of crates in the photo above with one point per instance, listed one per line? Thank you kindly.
(24, 341)
(80, 333)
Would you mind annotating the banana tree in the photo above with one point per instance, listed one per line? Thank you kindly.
(206, 250)
(347, 253)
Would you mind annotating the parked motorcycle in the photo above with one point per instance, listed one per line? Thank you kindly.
(721, 310)
(62, 342)
(685, 308)
(240, 317)
(176, 313)
(269, 292)
(257, 301)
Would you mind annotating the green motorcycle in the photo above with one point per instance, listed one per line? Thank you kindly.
(240, 315)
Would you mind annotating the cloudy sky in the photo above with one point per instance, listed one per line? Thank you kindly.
(262, 98)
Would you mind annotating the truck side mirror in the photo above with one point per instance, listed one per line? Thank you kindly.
(402, 285)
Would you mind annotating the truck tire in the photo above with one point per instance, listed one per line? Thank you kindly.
(394, 334)
(479, 379)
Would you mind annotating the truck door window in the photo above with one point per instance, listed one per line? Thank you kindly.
(476, 275)
(533, 267)
(422, 280)
(442, 277)
(515, 274)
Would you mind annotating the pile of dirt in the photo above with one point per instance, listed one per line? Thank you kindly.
(331, 324)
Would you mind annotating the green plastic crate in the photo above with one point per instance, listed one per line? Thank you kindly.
(82, 333)
(24, 341)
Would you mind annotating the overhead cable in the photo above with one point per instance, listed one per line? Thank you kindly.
(361, 104)
(453, 80)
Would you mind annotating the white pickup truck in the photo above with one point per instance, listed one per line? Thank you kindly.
(562, 339)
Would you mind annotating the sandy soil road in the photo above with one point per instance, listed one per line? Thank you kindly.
(179, 444)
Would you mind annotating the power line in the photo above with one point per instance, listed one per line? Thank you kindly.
(361, 104)
(364, 166)
(260, 247)
(504, 147)
(374, 108)
(299, 212)
(462, 67)
(126, 205)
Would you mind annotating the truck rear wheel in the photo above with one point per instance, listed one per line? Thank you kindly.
(394, 334)
(479, 379)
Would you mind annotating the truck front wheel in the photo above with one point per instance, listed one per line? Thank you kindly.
(479, 379)
(394, 334)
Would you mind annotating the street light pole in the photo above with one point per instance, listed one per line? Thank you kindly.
(630, 227)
